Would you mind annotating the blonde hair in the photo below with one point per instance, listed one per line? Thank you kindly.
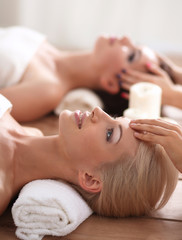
(134, 186)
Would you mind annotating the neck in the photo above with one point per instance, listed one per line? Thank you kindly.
(41, 158)
(78, 70)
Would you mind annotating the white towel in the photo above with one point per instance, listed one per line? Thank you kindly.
(81, 98)
(48, 207)
(5, 105)
(17, 47)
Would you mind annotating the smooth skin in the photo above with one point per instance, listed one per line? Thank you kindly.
(75, 154)
(52, 73)
(110, 65)
(161, 132)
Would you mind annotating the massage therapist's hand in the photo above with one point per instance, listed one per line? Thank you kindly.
(156, 76)
(167, 134)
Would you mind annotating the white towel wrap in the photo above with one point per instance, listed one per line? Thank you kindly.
(5, 105)
(48, 207)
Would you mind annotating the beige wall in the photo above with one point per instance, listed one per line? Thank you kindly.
(76, 23)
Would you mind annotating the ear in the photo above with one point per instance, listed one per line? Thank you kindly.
(89, 182)
(109, 84)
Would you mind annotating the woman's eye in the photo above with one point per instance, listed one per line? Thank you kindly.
(131, 57)
(109, 134)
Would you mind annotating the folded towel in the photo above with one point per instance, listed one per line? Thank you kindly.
(81, 98)
(5, 105)
(48, 207)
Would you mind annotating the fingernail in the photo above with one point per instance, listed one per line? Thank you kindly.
(118, 76)
(148, 64)
(137, 134)
(123, 70)
(132, 121)
(124, 95)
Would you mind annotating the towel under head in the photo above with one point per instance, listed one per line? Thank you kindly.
(48, 207)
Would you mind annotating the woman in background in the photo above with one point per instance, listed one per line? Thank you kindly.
(117, 174)
(35, 76)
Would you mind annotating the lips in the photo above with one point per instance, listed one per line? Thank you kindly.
(79, 118)
(112, 40)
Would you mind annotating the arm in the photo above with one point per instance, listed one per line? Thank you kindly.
(174, 71)
(171, 93)
(164, 133)
(33, 99)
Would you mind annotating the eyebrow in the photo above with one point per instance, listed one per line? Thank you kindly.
(121, 133)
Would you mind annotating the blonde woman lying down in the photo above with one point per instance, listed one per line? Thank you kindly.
(116, 174)
(35, 76)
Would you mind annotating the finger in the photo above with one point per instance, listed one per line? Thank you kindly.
(149, 137)
(129, 79)
(125, 95)
(159, 122)
(141, 76)
(134, 73)
(153, 68)
(126, 86)
(145, 128)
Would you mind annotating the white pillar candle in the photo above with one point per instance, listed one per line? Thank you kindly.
(145, 100)
(133, 113)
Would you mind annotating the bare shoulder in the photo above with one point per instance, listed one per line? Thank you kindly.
(7, 124)
(6, 178)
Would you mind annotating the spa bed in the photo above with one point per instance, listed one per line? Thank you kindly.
(165, 224)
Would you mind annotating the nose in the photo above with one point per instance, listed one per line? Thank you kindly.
(95, 114)
(98, 114)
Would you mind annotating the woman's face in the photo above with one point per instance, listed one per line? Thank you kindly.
(114, 54)
(91, 139)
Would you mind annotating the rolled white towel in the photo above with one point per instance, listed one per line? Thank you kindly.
(79, 99)
(48, 207)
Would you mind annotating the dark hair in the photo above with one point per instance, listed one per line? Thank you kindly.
(168, 69)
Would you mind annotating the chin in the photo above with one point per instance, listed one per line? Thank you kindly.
(65, 112)
(100, 42)
(64, 115)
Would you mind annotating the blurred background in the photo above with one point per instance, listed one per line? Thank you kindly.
(75, 24)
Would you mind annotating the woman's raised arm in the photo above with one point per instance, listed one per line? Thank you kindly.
(171, 92)
(161, 132)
